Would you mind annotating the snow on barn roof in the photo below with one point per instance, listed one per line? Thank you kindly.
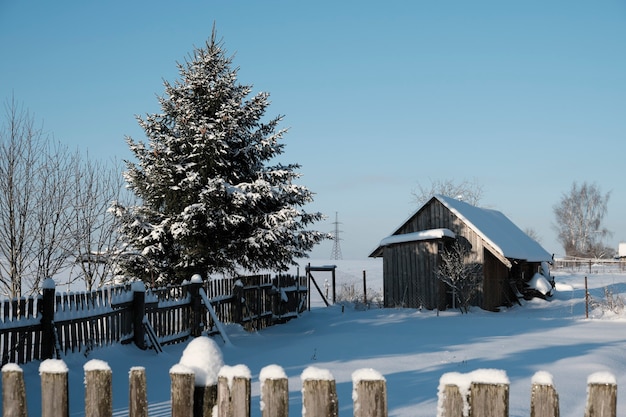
(493, 226)
(416, 236)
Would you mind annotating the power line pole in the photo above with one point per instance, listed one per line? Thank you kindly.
(336, 252)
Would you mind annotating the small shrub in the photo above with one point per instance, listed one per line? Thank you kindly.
(611, 302)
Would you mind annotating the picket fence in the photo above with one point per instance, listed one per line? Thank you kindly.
(51, 324)
(230, 396)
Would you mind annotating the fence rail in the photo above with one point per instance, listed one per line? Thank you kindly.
(54, 324)
(591, 266)
(482, 393)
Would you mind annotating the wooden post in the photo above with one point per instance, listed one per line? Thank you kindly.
(274, 392)
(196, 305)
(451, 401)
(544, 400)
(137, 392)
(54, 388)
(308, 286)
(364, 289)
(586, 299)
(602, 395)
(238, 295)
(369, 394)
(181, 391)
(48, 341)
(13, 391)
(233, 391)
(204, 400)
(489, 400)
(319, 393)
(139, 312)
(98, 389)
(334, 287)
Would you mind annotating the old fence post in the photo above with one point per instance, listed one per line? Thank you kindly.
(181, 391)
(137, 392)
(489, 399)
(369, 393)
(139, 312)
(544, 400)
(274, 392)
(451, 401)
(319, 393)
(48, 341)
(233, 391)
(98, 389)
(484, 391)
(602, 395)
(196, 305)
(13, 391)
(204, 400)
(238, 301)
(54, 388)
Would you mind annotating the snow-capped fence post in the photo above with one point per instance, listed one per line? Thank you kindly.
(451, 401)
(544, 400)
(484, 392)
(233, 391)
(238, 301)
(54, 388)
(489, 399)
(196, 305)
(319, 393)
(47, 319)
(274, 392)
(139, 312)
(137, 392)
(13, 391)
(181, 390)
(602, 395)
(369, 393)
(98, 389)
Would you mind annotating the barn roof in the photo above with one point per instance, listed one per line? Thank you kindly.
(495, 228)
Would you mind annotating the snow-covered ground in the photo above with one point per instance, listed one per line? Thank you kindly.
(411, 348)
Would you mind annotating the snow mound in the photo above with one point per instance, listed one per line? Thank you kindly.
(539, 283)
(204, 358)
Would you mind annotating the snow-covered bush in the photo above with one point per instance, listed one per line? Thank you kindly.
(611, 302)
(352, 293)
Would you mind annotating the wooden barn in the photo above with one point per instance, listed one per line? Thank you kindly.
(509, 257)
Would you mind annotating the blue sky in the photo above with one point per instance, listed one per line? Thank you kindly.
(522, 97)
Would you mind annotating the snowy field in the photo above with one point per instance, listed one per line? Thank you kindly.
(412, 349)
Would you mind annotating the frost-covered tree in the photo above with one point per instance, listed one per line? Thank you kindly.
(213, 195)
(460, 272)
(579, 217)
(469, 191)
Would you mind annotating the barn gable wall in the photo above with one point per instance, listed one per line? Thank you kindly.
(410, 268)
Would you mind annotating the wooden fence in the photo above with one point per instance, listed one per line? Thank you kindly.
(230, 396)
(54, 324)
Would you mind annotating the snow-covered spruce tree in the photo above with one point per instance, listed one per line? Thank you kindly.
(213, 198)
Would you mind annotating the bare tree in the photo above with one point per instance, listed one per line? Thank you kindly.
(53, 208)
(20, 147)
(469, 191)
(532, 233)
(52, 213)
(95, 238)
(579, 217)
(460, 272)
